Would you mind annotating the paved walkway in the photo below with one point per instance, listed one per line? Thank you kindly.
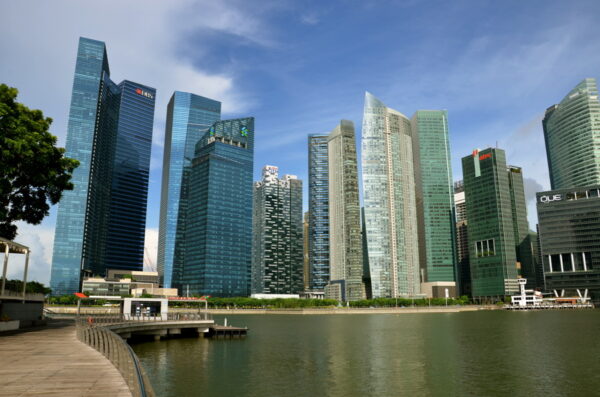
(52, 362)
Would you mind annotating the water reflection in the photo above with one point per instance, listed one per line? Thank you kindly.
(473, 354)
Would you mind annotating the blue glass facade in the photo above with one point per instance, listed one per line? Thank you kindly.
(68, 238)
(189, 116)
(129, 182)
(318, 207)
(218, 228)
(101, 222)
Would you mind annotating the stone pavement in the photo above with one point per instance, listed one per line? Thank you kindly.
(50, 361)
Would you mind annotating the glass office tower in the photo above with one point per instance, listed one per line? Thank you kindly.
(346, 267)
(318, 207)
(389, 201)
(277, 234)
(500, 250)
(129, 183)
(569, 220)
(189, 116)
(218, 228)
(101, 222)
(572, 135)
(435, 198)
(462, 242)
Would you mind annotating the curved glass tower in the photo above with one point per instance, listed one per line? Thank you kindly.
(389, 200)
(572, 134)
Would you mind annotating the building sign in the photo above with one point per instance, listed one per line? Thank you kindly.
(548, 199)
(141, 92)
(485, 156)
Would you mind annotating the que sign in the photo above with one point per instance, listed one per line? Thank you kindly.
(548, 199)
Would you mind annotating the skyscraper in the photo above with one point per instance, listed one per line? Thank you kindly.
(523, 242)
(569, 220)
(318, 208)
(434, 192)
(277, 234)
(389, 200)
(305, 268)
(218, 227)
(462, 242)
(189, 116)
(101, 222)
(498, 230)
(345, 254)
(572, 134)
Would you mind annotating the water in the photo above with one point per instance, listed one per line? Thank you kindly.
(494, 353)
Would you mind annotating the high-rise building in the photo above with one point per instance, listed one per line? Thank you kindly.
(523, 242)
(277, 234)
(462, 240)
(498, 230)
(389, 201)
(569, 220)
(318, 208)
(218, 227)
(306, 267)
(345, 252)
(365, 253)
(435, 198)
(101, 222)
(572, 134)
(189, 116)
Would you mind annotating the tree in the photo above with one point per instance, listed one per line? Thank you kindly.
(33, 171)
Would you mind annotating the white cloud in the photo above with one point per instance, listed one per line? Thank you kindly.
(151, 249)
(309, 18)
(40, 241)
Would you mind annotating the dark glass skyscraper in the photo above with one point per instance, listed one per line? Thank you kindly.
(318, 207)
(498, 234)
(569, 224)
(189, 116)
(277, 234)
(101, 222)
(218, 227)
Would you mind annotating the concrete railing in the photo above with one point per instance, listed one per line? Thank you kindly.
(95, 332)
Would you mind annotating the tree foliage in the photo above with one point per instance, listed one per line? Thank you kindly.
(34, 171)
(32, 287)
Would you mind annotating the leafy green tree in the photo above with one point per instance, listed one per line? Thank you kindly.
(33, 170)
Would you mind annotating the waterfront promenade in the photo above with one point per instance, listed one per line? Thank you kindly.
(50, 361)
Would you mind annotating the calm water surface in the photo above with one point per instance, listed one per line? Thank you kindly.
(495, 353)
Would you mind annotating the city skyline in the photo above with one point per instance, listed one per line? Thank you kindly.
(479, 110)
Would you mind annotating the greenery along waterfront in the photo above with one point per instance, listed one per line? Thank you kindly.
(252, 303)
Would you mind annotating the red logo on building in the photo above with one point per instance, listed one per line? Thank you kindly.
(485, 156)
(475, 152)
(138, 91)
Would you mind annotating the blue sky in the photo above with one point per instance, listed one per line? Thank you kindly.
(299, 67)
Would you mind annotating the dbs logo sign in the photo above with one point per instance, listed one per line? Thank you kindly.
(141, 92)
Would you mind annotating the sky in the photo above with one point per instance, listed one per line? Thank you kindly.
(299, 67)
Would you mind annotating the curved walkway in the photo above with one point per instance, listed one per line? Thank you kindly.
(52, 362)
